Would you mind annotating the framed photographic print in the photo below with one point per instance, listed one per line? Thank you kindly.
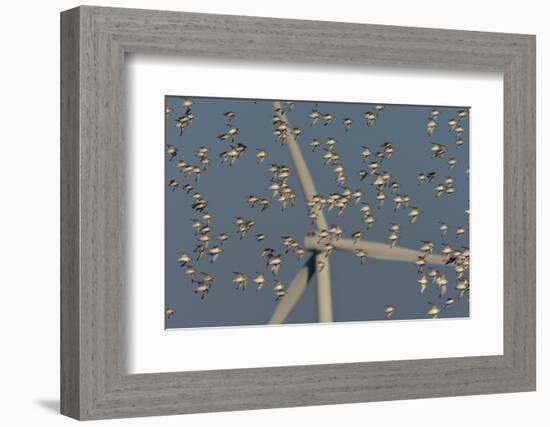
(297, 196)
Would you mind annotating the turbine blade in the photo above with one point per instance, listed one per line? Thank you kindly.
(376, 250)
(300, 166)
(294, 292)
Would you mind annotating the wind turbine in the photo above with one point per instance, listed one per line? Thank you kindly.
(375, 250)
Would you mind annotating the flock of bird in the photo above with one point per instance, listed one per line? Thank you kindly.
(280, 192)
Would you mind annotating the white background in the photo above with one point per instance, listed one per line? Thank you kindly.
(286, 345)
(29, 237)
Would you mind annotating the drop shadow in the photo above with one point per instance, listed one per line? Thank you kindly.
(51, 405)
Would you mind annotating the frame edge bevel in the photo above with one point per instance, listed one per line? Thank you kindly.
(70, 403)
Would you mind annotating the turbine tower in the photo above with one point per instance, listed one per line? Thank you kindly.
(375, 250)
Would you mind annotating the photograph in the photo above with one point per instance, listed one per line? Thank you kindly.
(308, 211)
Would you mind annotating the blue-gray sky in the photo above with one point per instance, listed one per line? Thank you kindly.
(359, 292)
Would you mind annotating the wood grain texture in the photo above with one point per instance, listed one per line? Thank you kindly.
(94, 382)
(70, 292)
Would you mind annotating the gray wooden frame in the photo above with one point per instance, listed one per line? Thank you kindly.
(94, 41)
